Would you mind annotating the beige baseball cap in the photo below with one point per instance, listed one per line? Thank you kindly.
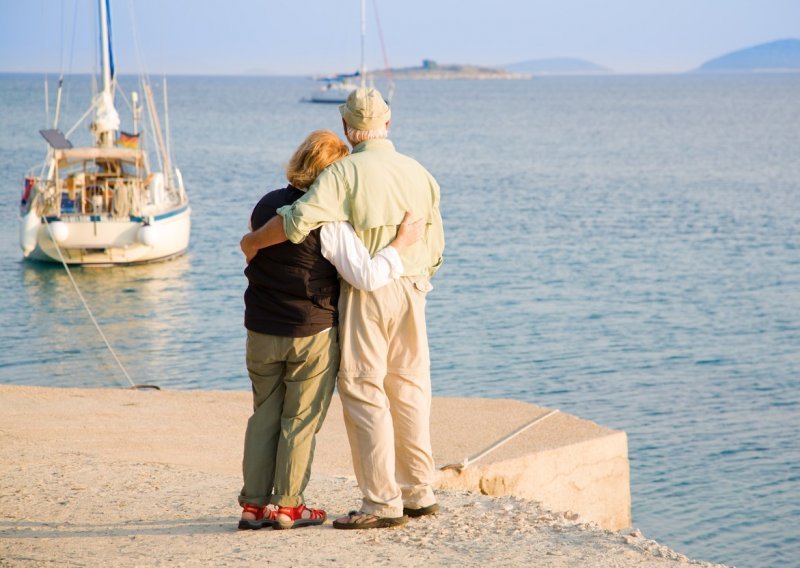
(365, 109)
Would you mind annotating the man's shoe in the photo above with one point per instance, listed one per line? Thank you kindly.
(422, 511)
(359, 520)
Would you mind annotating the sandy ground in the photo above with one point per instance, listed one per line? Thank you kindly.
(99, 478)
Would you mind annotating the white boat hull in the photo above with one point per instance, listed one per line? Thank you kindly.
(97, 240)
(335, 97)
(333, 93)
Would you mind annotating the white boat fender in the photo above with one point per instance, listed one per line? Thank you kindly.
(29, 229)
(148, 235)
(59, 231)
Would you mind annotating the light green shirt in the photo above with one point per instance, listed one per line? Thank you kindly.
(372, 188)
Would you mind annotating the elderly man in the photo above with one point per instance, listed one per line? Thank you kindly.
(384, 376)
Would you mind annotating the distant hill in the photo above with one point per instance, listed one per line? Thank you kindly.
(558, 66)
(781, 55)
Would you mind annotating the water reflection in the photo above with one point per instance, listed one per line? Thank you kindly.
(137, 307)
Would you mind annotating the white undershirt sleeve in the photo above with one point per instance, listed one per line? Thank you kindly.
(342, 247)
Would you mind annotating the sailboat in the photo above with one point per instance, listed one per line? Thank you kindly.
(335, 88)
(102, 204)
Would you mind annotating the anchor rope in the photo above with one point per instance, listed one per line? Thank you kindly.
(86, 305)
(470, 460)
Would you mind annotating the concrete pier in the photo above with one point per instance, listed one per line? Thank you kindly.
(566, 463)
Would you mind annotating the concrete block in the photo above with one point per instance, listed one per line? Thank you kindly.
(568, 464)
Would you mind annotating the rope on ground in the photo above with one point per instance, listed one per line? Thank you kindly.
(91, 316)
(470, 460)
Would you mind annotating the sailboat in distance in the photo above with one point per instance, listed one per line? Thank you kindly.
(103, 204)
(335, 88)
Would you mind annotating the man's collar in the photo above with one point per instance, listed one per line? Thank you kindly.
(379, 144)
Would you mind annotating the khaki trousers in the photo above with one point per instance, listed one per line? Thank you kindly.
(385, 387)
(293, 380)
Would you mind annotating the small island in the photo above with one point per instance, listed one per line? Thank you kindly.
(432, 70)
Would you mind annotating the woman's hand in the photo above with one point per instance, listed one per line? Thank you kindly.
(408, 233)
(249, 250)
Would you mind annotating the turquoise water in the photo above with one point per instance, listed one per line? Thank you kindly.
(626, 249)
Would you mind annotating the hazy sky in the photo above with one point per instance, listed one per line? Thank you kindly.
(301, 37)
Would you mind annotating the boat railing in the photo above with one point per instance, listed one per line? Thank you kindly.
(80, 194)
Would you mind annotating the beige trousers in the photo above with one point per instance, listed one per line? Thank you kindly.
(293, 380)
(385, 388)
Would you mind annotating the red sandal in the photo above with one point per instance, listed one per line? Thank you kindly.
(295, 517)
(264, 516)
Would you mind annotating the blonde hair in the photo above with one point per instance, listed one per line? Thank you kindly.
(318, 151)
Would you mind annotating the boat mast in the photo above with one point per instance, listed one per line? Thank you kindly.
(107, 120)
(363, 35)
(105, 47)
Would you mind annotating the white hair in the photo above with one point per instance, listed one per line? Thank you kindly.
(357, 136)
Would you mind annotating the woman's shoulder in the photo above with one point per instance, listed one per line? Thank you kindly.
(280, 197)
(270, 202)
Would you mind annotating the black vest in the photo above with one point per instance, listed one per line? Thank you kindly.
(293, 290)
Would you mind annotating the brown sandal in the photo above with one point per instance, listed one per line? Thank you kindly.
(422, 511)
(359, 520)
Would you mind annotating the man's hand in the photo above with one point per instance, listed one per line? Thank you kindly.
(267, 235)
(408, 233)
(249, 248)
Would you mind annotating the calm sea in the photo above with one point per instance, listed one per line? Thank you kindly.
(626, 249)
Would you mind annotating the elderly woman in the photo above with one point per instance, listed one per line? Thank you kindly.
(292, 348)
